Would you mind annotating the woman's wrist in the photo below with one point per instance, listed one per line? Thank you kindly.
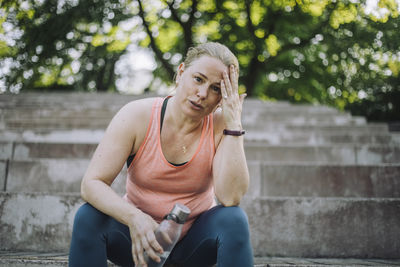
(131, 215)
(234, 126)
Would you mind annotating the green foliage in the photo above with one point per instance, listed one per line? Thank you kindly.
(70, 45)
(322, 52)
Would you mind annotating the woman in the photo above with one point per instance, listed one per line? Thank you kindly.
(182, 148)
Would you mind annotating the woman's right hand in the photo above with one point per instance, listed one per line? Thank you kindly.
(142, 229)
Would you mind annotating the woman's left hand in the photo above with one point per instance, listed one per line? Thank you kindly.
(231, 101)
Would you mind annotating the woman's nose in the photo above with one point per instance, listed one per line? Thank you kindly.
(202, 91)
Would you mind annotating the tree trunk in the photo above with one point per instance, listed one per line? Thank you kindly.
(251, 77)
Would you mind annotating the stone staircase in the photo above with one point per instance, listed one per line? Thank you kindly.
(325, 185)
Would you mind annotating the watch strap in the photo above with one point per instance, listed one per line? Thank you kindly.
(234, 132)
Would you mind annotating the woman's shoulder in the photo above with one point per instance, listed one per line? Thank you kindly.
(138, 108)
(135, 114)
(141, 105)
(132, 120)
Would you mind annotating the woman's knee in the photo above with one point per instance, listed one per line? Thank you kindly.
(87, 242)
(88, 218)
(232, 219)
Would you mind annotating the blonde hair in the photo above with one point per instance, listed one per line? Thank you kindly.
(211, 49)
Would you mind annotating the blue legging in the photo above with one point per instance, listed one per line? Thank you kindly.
(219, 235)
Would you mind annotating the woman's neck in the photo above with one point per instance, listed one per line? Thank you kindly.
(177, 119)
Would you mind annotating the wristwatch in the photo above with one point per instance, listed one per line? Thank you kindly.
(234, 132)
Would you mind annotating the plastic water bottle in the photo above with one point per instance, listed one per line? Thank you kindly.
(168, 232)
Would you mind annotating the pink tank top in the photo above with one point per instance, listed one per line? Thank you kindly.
(154, 185)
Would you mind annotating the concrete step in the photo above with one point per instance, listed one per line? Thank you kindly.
(255, 118)
(325, 180)
(61, 259)
(91, 136)
(66, 110)
(64, 105)
(36, 150)
(321, 138)
(74, 111)
(67, 99)
(37, 222)
(287, 227)
(325, 227)
(335, 154)
(49, 175)
(93, 100)
(322, 128)
(295, 137)
(250, 107)
(101, 120)
(298, 116)
(57, 123)
(267, 179)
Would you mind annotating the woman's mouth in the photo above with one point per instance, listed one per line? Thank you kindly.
(195, 105)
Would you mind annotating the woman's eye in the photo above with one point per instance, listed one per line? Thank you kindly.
(197, 79)
(216, 89)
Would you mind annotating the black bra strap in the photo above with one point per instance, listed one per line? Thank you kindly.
(163, 108)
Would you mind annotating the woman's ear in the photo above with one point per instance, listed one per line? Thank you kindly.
(179, 71)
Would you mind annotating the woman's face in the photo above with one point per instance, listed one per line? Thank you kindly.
(199, 85)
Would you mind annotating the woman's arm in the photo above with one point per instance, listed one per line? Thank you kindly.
(123, 135)
(231, 175)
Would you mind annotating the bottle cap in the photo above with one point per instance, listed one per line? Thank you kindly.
(179, 213)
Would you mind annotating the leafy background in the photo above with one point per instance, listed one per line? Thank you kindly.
(343, 53)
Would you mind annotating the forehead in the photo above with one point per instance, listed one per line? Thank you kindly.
(209, 66)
